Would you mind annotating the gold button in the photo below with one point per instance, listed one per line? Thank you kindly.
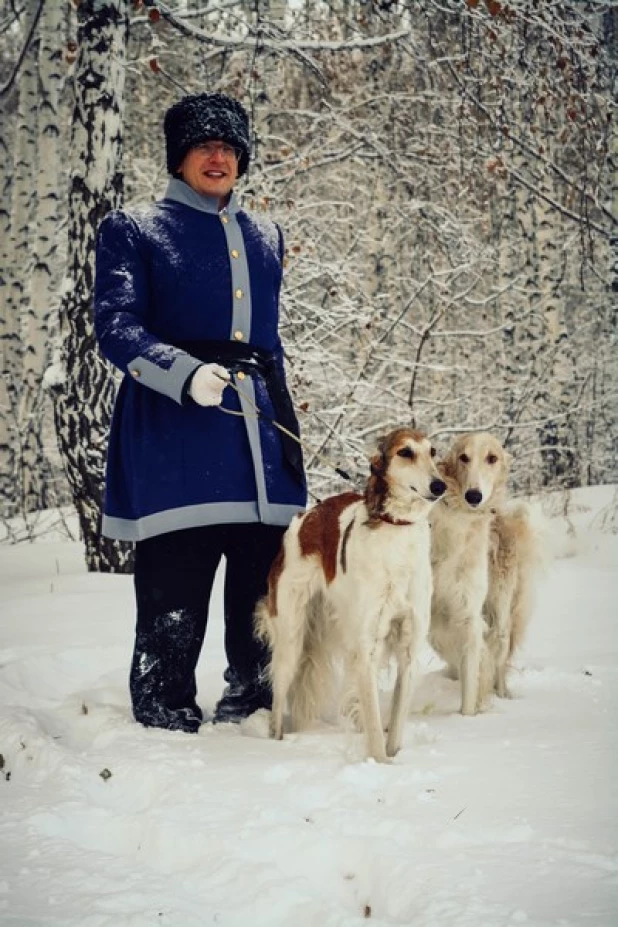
(235, 253)
(241, 375)
(136, 374)
(224, 219)
(239, 294)
(238, 335)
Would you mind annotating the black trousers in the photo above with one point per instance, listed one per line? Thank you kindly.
(174, 575)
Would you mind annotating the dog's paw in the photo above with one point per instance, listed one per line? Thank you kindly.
(257, 724)
(503, 691)
(381, 758)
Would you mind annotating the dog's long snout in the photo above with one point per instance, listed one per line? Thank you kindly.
(437, 488)
(474, 497)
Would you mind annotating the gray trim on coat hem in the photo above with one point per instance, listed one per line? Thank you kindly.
(197, 516)
(169, 382)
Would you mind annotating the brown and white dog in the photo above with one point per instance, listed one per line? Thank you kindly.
(484, 556)
(352, 582)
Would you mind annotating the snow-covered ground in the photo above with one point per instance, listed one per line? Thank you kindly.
(508, 818)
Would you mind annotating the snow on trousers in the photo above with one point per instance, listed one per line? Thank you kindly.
(174, 575)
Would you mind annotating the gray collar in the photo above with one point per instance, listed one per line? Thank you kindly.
(181, 192)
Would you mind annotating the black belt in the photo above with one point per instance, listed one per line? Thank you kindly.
(240, 357)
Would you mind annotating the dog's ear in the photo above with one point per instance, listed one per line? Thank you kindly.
(508, 459)
(376, 484)
(377, 464)
(447, 466)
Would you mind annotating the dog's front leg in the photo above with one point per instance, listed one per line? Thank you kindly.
(399, 707)
(498, 616)
(412, 629)
(276, 716)
(367, 688)
(500, 644)
(470, 670)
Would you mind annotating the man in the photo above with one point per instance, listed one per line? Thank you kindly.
(187, 306)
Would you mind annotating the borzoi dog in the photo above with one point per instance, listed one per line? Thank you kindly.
(484, 554)
(353, 582)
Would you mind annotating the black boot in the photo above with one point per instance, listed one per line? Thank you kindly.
(171, 719)
(173, 578)
(241, 699)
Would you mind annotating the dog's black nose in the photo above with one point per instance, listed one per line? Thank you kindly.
(437, 488)
(474, 497)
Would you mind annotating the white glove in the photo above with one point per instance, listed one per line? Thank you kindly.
(207, 384)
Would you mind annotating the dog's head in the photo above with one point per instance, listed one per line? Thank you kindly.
(403, 472)
(475, 470)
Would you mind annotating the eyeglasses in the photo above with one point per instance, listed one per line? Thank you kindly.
(222, 148)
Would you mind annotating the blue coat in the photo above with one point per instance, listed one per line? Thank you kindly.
(181, 270)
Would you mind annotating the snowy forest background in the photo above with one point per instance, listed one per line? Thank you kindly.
(445, 172)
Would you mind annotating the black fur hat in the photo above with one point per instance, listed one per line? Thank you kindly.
(202, 116)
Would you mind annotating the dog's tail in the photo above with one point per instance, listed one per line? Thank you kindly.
(264, 616)
(263, 624)
(313, 688)
(312, 685)
(534, 559)
(534, 536)
(292, 622)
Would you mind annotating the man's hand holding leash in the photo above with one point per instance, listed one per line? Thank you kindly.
(208, 383)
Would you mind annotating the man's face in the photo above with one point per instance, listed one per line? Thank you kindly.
(211, 168)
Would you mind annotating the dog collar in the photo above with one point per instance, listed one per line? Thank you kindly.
(383, 516)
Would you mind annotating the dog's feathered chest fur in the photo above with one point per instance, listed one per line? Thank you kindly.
(457, 537)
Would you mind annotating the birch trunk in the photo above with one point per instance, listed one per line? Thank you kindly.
(611, 36)
(84, 396)
(9, 335)
(557, 259)
(35, 477)
(17, 270)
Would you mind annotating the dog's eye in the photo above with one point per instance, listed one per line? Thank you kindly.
(464, 458)
(406, 452)
(491, 459)
(433, 452)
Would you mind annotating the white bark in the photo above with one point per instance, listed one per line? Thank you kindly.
(17, 270)
(36, 491)
(83, 397)
(9, 334)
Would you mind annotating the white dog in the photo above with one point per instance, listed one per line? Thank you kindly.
(484, 556)
(353, 581)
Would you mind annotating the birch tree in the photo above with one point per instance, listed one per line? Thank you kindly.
(8, 326)
(84, 389)
(35, 481)
(18, 267)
